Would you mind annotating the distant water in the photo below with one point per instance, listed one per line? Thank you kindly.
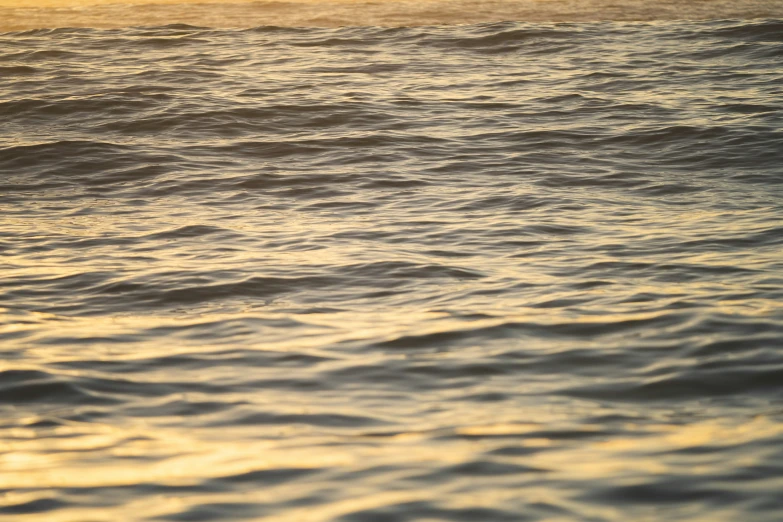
(501, 272)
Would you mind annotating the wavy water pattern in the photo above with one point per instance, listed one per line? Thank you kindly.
(500, 272)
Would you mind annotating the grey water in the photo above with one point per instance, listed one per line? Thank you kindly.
(498, 272)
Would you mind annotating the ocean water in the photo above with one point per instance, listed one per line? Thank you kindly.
(499, 272)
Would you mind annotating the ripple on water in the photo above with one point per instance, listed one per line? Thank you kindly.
(488, 272)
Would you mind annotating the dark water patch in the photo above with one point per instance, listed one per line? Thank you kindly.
(763, 30)
(19, 386)
(42, 505)
(330, 420)
(34, 154)
(691, 385)
(15, 70)
(267, 476)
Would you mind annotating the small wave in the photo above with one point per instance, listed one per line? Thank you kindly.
(20, 386)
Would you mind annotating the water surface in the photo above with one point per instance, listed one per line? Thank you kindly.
(500, 272)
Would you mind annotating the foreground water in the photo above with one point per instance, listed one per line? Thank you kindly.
(483, 273)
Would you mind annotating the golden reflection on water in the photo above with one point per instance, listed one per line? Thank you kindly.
(174, 457)
(438, 430)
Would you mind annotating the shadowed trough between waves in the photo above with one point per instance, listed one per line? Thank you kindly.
(500, 272)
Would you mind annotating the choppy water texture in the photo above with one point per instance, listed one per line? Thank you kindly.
(498, 272)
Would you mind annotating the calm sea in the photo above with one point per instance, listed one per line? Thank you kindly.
(502, 272)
